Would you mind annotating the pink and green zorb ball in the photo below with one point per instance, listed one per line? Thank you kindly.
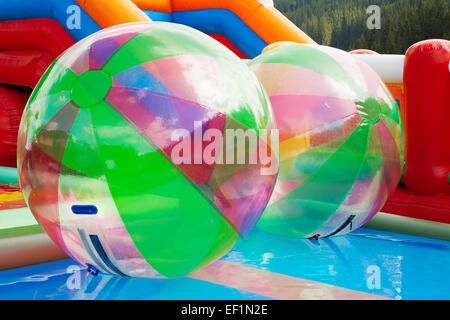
(120, 150)
(341, 140)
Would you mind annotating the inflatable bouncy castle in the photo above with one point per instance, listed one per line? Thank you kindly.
(354, 156)
(420, 83)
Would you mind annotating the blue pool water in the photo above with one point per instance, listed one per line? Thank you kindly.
(392, 265)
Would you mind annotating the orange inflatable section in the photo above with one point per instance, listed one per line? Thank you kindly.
(109, 13)
(267, 22)
(155, 5)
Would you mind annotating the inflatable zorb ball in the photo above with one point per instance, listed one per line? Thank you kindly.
(120, 147)
(341, 140)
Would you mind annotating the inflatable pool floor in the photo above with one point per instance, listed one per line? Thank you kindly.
(367, 264)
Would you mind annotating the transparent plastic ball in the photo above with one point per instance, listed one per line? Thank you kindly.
(341, 140)
(119, 158)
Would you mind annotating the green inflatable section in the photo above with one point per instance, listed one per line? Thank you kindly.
(8, 175)
(415, 227)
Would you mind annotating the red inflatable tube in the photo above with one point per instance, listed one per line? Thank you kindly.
(363, 51)
(427, 86)
(27, 48)
(34, 34)
(12, 103)
(432, 208)
(24, 67)
(227, 43)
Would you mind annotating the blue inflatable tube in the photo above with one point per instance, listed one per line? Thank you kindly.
(212, 21)
(158, 16)
(59, 10)
(226, 23)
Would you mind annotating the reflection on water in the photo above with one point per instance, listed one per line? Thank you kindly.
(409, 267)
(380, 263)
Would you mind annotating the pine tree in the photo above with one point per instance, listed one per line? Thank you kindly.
(326, 31)
(342, 23)
(388, 43)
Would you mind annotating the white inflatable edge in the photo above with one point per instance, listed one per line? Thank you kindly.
(388, 66)
(267, 3)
